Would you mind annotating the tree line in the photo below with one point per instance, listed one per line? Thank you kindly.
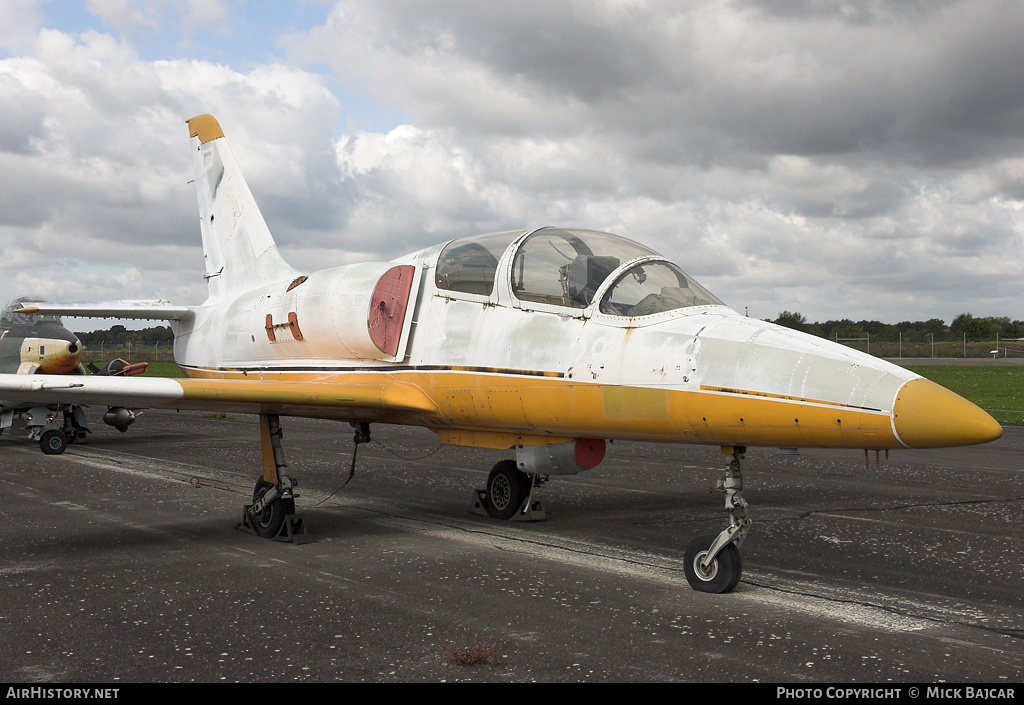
(119, 337)
(965, 336)
(974, 328)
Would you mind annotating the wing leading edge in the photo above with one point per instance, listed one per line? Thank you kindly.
(363, 400)
(141, 310)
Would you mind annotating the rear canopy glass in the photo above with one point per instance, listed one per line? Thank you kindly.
(468, 265)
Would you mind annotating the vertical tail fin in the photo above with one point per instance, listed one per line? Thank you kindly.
(240, 253)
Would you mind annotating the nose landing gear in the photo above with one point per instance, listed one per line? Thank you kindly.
(712, 563)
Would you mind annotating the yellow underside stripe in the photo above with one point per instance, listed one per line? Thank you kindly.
(473, 408)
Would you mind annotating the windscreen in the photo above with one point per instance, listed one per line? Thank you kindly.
(653, 287)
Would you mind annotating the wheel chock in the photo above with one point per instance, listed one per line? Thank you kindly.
(293, 529)
(479, 505)
(530, 510)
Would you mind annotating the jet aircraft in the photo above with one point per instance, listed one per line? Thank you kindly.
(36, 343)
(541, 343)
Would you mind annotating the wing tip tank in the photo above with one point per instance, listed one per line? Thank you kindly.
(205, 127)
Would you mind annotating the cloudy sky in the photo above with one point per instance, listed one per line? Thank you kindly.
(841, 159)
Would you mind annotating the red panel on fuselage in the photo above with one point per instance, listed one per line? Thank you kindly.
(388, 307)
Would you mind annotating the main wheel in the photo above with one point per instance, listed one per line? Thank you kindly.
(268, 523)
(721, 576)
(53, 442)
(507, 487)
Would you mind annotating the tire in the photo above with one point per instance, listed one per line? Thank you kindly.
(724, 573)
(53, 442)
(507, 487)
(269, 522)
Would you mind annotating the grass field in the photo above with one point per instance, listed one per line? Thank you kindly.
(997, 390)
(163, 369)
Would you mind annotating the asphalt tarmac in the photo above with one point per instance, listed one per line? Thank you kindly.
(121, 562)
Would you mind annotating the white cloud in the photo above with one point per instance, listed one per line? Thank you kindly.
(843, 160)
(94, 163)
(777, 153)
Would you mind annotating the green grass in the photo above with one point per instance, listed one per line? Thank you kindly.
(997, 390)
(163, 369)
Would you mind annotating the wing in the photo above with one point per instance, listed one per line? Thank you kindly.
(144, 310)
(384, 399)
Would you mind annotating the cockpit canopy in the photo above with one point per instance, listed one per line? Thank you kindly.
(8, 315)
(562, 267)
(468, 265)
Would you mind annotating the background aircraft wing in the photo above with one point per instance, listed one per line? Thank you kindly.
(382, 399)
(143, 310)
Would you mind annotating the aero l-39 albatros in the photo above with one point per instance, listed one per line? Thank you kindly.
(544, 343)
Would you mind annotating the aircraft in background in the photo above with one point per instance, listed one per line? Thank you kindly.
(542, 343)
(31, 343)
(39, 344)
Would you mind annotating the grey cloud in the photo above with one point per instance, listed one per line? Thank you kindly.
(925, 85)
(806, 154)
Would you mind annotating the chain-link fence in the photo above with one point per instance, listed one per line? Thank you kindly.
(935, 347)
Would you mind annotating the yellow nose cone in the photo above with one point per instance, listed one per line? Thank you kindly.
(927, 415)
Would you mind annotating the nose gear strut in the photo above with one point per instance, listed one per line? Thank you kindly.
(712, 563)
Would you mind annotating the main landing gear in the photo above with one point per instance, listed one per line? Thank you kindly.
(509, 494)
(272, 512)
(510, 491)
(712, 563)
(55, 441)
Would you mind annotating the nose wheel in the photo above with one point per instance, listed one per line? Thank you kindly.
(712, 563)
(719, 575)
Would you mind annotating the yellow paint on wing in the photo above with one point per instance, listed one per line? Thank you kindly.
(370, 393)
